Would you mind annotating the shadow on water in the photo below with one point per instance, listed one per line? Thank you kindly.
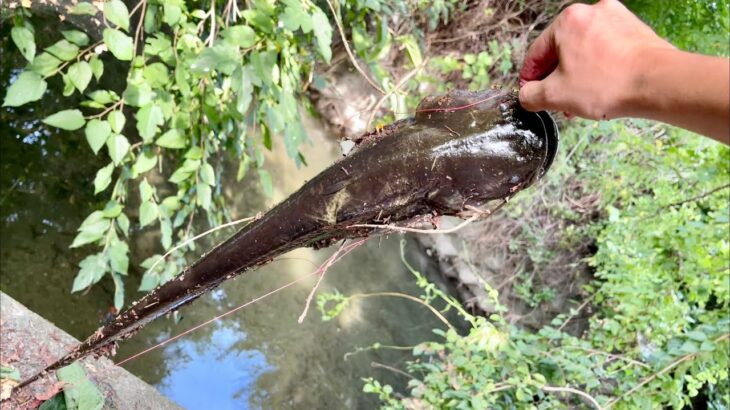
(259, 357)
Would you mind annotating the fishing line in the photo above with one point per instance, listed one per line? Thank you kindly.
(209, 321)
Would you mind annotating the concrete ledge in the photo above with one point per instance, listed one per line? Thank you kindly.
(28, 343)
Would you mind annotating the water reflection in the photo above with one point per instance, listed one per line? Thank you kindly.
(228, 375)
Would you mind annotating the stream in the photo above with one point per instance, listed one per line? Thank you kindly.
(259, 357)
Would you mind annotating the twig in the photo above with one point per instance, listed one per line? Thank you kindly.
(610, 355)
(552, 389)
(349, 52)
(344, 250)
(385, 96)
(698, 197)
(404, 296)
(670, 366)
(392, 369)
(138, 31)
(582, 305)
(194, 238)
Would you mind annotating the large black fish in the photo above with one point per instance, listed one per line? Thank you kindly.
(461, 149)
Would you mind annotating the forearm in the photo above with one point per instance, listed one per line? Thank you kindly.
(687, 90)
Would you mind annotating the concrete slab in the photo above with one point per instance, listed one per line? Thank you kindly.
(28, 343)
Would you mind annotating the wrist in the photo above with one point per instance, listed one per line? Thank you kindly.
(645, 83)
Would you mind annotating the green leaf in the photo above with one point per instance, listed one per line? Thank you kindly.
(118, 256)
(207, 174)
(80, 393)
(147, 213)
(242, 36)
(204, 194)
(23, 39)
(323, 34)
(103, 178)
(266, 183)
(295, 16)
(145, 190)
(123, 222)
(222, 57)
(138, 95)
(80, 74)
(118, 147)
(45, 64)
(156, 74)
(91, 232)
(118, 292)
(67, 119)
(104, 97)
(97, 66)
(116, 12)
(145, 162)
(149, 118)
(28, 87)
(119, 44)
(150, 280)
(116, 121)
(241, 84)
(84, 8)
(57, 402)
(64, 50)
(77, 37)
(171, 14)
(172, 139)
(93, 268)
(112, 209)
(97, 132)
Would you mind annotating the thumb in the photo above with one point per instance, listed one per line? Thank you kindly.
(533, 95)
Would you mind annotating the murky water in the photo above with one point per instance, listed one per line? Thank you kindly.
(259, 357)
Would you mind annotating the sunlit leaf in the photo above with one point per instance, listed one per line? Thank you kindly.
(116, 121)
(103, 178)
(173, 138)
(67, 119)
(323, 34)
(146, 160)
(28, 87)
(77, 37)
(79, 391)
(147, 213)
(116, 12)
(207, 174)
(63, 50)
(45, 64)
(118, 147)
(97, 66)
(24, 40)
(242, 36)
(97, 132)
(118, 256)
(119, 44)
(149, 119)
(80, 74)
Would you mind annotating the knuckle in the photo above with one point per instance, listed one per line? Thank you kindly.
(576, 15)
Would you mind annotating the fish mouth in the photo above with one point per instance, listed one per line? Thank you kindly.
(541, 124)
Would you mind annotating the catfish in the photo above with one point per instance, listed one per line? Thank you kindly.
(460, 151)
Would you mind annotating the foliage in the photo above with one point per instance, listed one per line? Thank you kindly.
(201, 80)
(79, 393)
(693, 25)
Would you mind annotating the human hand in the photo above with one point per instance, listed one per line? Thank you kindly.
(588, 62)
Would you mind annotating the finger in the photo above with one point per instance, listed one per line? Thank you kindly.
(541, 95)
(541, 58)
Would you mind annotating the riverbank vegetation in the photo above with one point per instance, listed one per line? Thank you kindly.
(205, 88)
